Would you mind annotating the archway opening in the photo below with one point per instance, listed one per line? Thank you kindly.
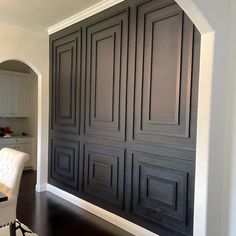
(19, 111)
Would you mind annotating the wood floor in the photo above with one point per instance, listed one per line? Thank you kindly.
(48, 215)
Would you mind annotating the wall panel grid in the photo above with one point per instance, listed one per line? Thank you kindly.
(123, 113)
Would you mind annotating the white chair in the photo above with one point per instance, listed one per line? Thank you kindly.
(11, 168)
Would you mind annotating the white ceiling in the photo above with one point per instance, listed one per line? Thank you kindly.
(41, 13)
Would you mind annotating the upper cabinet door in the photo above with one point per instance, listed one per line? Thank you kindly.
(5, 95)
(14, 95)
(106, 51)
(20, 96)
(66, 59)
(163, 75)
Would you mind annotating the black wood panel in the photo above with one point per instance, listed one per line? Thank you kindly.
(162, 190)
(65, 83)
(130, 79)
(106, 72)
(64, 162)
(104, 173)
(163, 75)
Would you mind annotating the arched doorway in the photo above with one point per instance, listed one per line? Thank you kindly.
(24, 124)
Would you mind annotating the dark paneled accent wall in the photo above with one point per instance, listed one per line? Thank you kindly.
(123, 113)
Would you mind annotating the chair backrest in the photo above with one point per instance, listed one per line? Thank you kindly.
(11, 168)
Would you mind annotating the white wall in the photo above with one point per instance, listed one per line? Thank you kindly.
(215, 170)
(33, 120)
(230, 167)
(32, 48)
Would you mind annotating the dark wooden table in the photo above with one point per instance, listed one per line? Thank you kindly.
(3, 197)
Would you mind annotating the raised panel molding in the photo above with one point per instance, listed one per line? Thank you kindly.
(161, 190)
(163, 74)
(123, 113)
(104, 62)
(64, 162)
(107, 45)
(104, 173)
(164, 81)
(65, 85)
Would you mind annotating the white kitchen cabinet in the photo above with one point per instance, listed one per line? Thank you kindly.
(21, 144)
(20, 96)
(14, 93)
(5, 95)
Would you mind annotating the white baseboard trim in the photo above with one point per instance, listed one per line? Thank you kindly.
(41, 188)
(100, 6)
(104, 214)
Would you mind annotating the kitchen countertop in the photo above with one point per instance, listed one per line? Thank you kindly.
(17, 136)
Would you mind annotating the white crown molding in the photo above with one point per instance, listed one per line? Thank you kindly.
(83, 15)
(106, 215)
